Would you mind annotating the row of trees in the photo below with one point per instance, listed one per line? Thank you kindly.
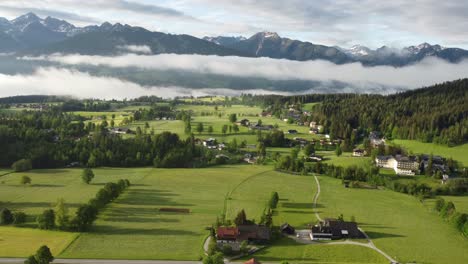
(85, 215)
(448, 211)
(7, 217)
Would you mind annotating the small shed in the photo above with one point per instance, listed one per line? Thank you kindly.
(287, 229)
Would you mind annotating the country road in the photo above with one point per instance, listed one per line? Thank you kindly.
(100, 261)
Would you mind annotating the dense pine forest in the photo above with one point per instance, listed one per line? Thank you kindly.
(436, 114)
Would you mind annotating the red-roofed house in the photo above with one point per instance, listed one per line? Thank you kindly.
(227, 233)
(252, 261)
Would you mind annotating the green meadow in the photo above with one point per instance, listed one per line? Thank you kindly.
(288, 250)
(22, 242)
(398, 224)
(345, 160)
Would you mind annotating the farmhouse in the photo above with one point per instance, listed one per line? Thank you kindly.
(402, 165)
(252, 261)
(359, 153)
(252, 233)
(243, 122)
(335, 229)
(227, 233)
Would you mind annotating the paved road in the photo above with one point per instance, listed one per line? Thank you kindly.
(100, 261)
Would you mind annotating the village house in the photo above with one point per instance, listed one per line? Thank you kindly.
(250, 158)
(359, 153)
(313, 131)
(287, 229)
(438, 163)
(252, 233)
(252, 261)
(210, 143)
(376, 139)
(261, 127)
(227, 234)
(314, 157)
(118, 130)
(402, 165)
(243, 122)
(332, 229)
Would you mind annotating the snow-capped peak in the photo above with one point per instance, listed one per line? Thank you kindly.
(359, 50)
(24, 21)
(267, 34)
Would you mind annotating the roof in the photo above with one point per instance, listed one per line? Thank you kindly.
(338, 228)
(227, 233)
(254, 232)
(384, 157)
(252, 261)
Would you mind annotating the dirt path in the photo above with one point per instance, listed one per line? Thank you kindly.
(369, 243)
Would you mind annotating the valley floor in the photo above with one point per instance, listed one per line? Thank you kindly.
(133, 228)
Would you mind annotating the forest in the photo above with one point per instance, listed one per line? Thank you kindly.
(433, 114)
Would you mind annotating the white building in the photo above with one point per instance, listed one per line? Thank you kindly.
(402, 165)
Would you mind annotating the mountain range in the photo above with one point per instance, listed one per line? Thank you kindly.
(30, 34)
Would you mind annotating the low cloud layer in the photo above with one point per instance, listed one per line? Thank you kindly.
(54, 81)
(136, 49)
(427, 72)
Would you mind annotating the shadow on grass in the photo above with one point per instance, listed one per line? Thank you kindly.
(287, 245)
(48, 185)
(297, 212)
(38, 204)
(150, 197)
(47, 171)
(112, 230)
(377, 235)
(299, 205)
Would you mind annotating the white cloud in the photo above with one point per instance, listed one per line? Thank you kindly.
(136, 49)
(427, 72)
(54, 81)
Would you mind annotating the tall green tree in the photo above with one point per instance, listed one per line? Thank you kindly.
(87, 175)
(232, 118)
(62, 218)
(46, 220)
(6, 217)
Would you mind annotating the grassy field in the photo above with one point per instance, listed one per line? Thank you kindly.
(398, 224)
(461, 203)
(287, 249)
(132, 227)
(295, 206)
(345, 160)
(459, 153)
(49, 185)
(22, 242)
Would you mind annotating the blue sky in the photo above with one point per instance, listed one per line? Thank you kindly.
(372, 23)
